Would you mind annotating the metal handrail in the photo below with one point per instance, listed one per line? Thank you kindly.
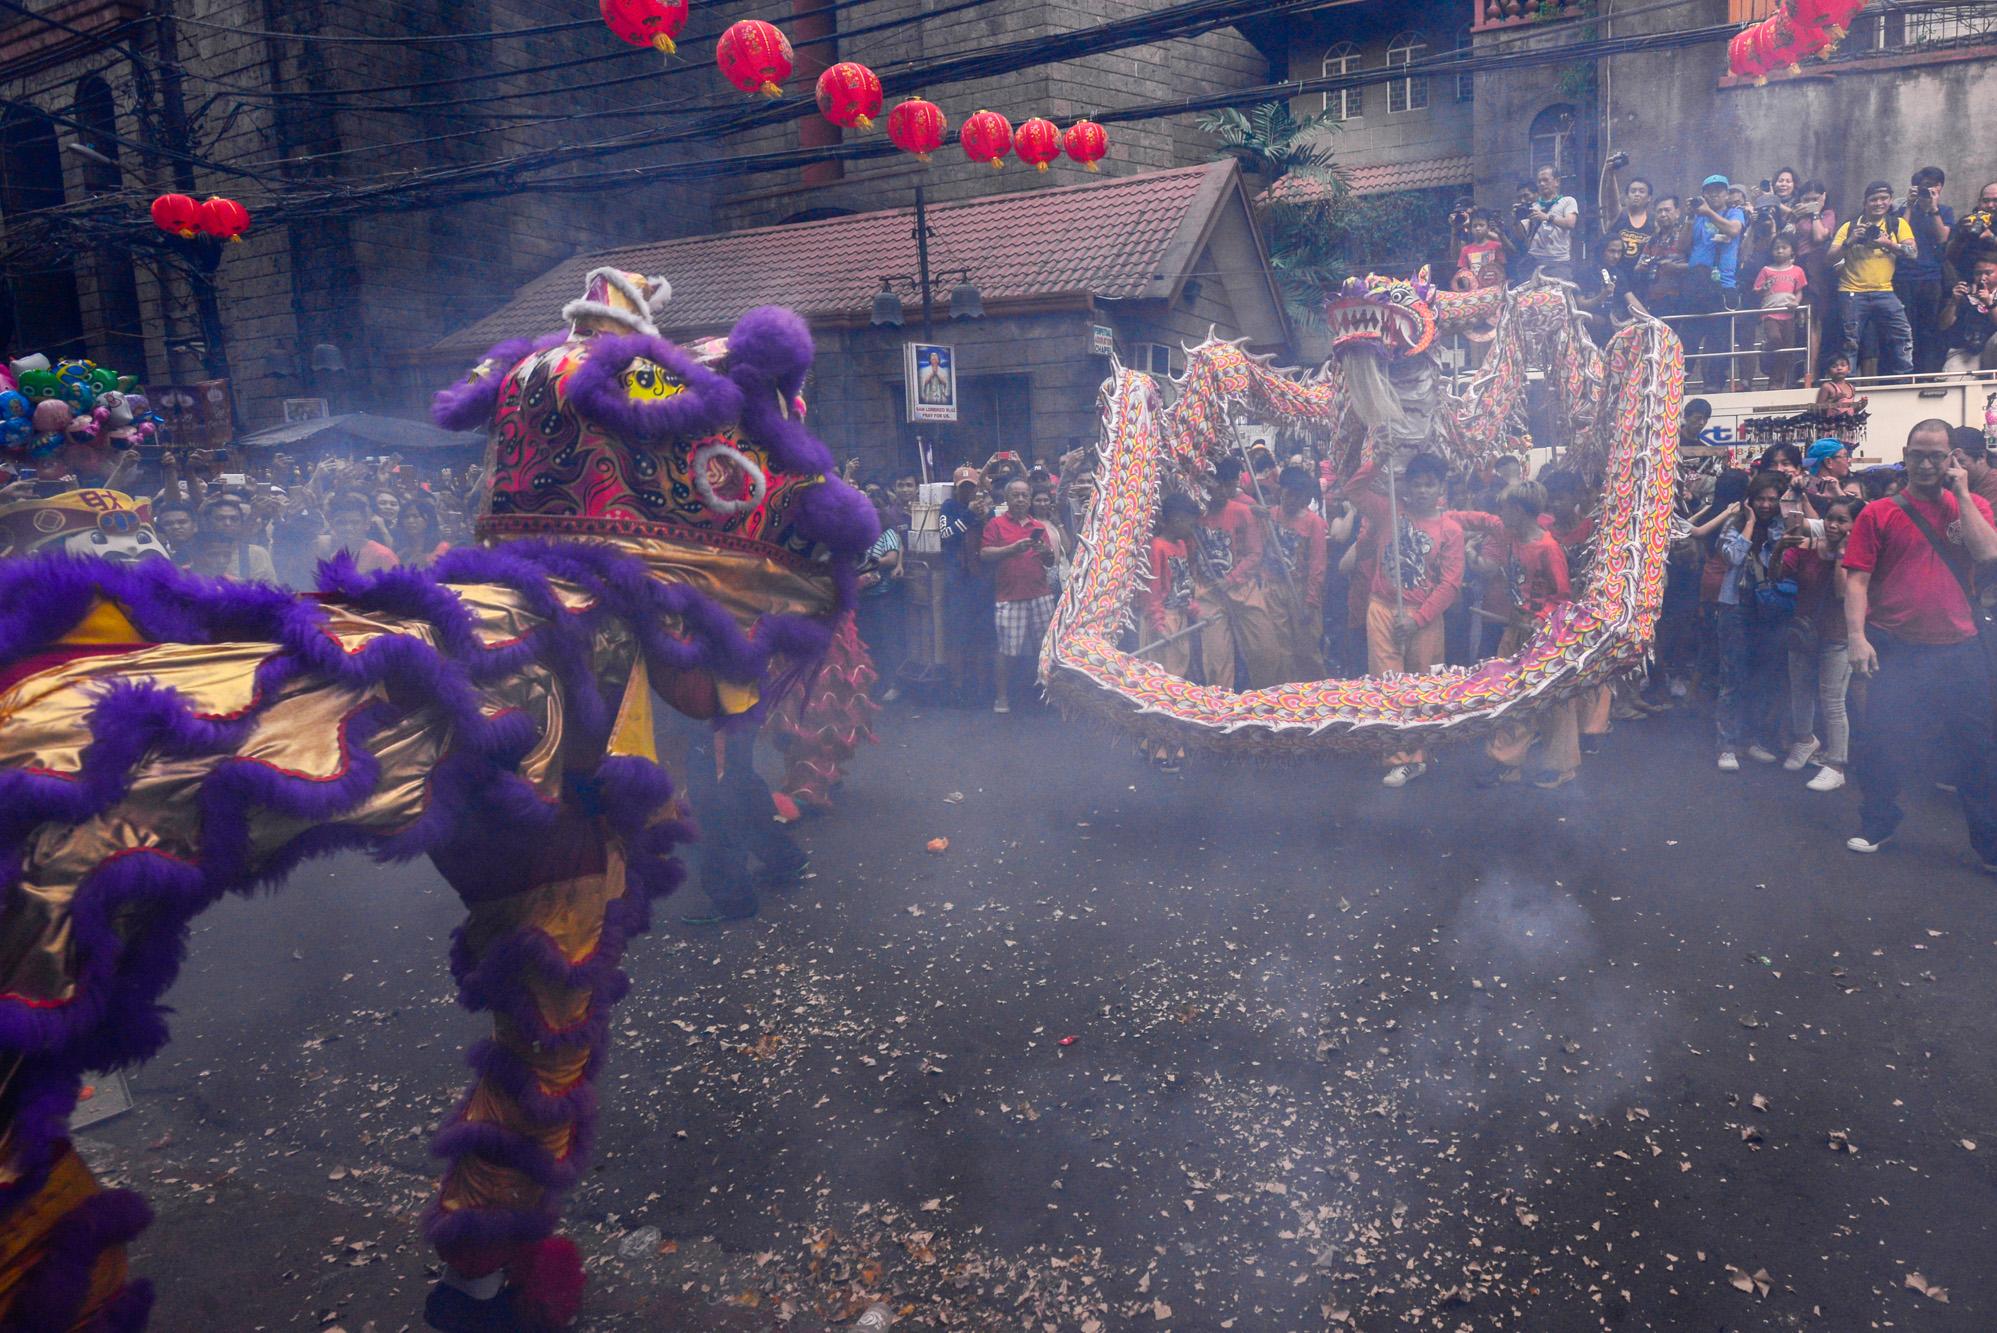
(1807, 350)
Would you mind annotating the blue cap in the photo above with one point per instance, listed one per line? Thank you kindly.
(1715, 180)
(1821, 450)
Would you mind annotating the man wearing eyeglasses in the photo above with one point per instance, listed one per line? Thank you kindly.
(1912, 627)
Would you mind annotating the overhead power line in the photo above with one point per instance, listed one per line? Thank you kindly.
(494, 35)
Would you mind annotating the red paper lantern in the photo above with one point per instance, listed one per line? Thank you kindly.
(1085, 143)
(646, 22)
(224, 219)
(1766, 42)
(987, 137)
(178, 214)
(755, 57)
(1832, 16)
(1742, 59)
(849, 96)
(1038, 142)
(917, 127)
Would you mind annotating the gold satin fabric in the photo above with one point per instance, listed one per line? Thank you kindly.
(304, 732)
(569, 913)
(28, 1225)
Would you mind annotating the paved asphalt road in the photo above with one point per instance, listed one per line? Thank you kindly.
(1343, 1058)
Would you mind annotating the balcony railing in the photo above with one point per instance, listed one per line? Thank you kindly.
(1489, 14)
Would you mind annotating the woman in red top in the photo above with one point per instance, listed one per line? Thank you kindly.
(1819, 660)
(419, 537)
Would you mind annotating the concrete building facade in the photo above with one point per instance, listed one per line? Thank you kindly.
(337, 296)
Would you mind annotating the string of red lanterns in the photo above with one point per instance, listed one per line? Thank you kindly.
(179, 215)
(756, 57)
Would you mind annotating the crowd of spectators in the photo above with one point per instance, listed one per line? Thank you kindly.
(222, 516)
(1902, 285)
(1795, 582)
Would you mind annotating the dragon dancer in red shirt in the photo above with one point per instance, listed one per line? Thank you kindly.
(1416, 580)
(1227, 578)
(1535, 579)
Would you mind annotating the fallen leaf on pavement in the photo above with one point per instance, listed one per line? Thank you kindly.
(1928, 1289)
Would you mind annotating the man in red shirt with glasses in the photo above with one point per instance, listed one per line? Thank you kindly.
(1912, 627)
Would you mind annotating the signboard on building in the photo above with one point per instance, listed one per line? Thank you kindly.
(930, 371)
(1102, 340)
(304, 409)
(193, 416)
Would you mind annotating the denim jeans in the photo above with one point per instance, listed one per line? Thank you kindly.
(1920, 687)
(1821, 674)
(1744, 714)
(1883, 311)
(1923, 299)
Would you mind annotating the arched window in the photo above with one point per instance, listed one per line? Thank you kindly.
(38, 308)
(1553, 140)
(97, 119)
(112, 320)
(1346, 103)
(1406, 94)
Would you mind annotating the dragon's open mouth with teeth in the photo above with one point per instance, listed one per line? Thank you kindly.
(1393, 316)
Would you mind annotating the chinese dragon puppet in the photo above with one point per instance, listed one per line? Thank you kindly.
(658, 520)
(1383, 394)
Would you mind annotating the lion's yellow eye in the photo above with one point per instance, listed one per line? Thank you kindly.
(645, 380)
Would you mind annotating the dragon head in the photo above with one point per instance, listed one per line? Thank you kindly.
(1393, 317)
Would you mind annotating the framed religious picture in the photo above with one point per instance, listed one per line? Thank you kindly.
(930, 371)
(297, 410)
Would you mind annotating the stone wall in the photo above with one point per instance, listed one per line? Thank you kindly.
(382, 284)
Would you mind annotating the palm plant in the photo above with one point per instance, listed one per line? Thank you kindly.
(1297, 211)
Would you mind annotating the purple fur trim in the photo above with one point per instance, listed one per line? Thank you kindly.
(770, 348)
(710, 401)
(50, 1300)
(839, 516)
(467, 405)
(116, 1019)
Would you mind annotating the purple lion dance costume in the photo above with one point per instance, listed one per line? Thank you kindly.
(658, 520)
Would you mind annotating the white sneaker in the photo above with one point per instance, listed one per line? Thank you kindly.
(1800, 752)
(1678, 689)
(1402, 774)
(1827, 779)
(1860, 845)
(1761, 754)
(1728, 762)
(1001, 706)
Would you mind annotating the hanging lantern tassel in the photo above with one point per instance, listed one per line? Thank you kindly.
(1085, 143)
(755, 57)
(987, 137)
(652, 23)
(178, 215)
(1038, 141)
(849, 95)
(917, 127)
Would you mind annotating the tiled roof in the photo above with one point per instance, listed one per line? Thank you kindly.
(1107, 238)
(1378, 178)
(1427, 174)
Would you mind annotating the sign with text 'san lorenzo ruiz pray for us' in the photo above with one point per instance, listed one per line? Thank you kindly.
(930, 371)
